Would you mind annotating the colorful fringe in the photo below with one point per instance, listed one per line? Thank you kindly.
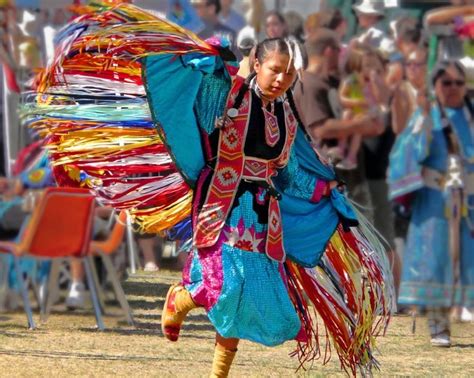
(350, 290)
(90, 106)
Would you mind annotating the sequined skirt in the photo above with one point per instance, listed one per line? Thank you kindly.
(243, 291)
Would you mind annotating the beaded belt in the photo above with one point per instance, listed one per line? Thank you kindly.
(435, 179)
(257, 169)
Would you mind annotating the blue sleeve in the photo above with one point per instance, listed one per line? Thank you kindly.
(211, 99)
(296, 181)
(411, 148)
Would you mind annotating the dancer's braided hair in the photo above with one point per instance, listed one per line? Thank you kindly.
(263, 49)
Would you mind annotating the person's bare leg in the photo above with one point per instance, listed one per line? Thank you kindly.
(147, 246)
(76, 296)
(396, 264)
(224, 354)
(77, 271)
(353, 151)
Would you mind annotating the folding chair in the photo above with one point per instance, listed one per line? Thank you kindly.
(104, 249)
(60, 227)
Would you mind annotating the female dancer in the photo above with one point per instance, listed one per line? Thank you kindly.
(228, 161)
(236, 269)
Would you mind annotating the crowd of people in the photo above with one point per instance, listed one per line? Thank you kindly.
(388, 109)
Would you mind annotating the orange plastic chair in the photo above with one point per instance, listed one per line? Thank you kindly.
(104, 249)
(60, 227)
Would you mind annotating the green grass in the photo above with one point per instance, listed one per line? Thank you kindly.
(69, 345)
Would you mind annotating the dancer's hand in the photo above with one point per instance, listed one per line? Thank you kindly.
(335, 185)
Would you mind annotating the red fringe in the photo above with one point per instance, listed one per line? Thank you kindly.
(351, 316)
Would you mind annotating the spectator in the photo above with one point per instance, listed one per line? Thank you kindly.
(254, 14)
(403, 106)
(147, 243)
(333, 19)
(208, 11)
(317, 99)
(370, 14)
(295, 25)
(32, 173)
(359, 95)
(230, 17)
(76, 296)
(407, 35)
(317, 92)
(405, 96)
(246, 42)
(316, 96)
(459, 11)
(375, 151)
(275, 25)
(432, 162)
(312, 24)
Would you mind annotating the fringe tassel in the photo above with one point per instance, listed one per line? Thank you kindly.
(90, 106)
(351, 293)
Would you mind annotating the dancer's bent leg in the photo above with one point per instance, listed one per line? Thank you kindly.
(177, 305)
(224, 354)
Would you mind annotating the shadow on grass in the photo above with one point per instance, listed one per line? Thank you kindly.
(147, 316)
(148, 330)
(140, 304)
(145, 289)
(72, 355)
(16, 326)
(463, 346)
(86, 313)
(15, 334)
(151, 329)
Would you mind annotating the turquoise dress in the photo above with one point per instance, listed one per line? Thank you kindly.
(243, 290)
(427, 277)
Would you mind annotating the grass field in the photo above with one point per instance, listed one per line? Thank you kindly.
(69, 345)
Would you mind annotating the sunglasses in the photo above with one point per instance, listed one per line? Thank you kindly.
(450, 83)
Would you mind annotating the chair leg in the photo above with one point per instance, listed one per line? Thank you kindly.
(133, 257)
(93, 291)
(52, 287)
(36, 293)
(119, 293)
(3, 281)
(24, 293)
(100, 292)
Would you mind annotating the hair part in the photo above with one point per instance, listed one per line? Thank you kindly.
(271, 45)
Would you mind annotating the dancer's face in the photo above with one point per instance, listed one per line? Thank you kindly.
(274, 75)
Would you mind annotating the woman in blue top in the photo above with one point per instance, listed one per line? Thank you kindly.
(433, 160)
